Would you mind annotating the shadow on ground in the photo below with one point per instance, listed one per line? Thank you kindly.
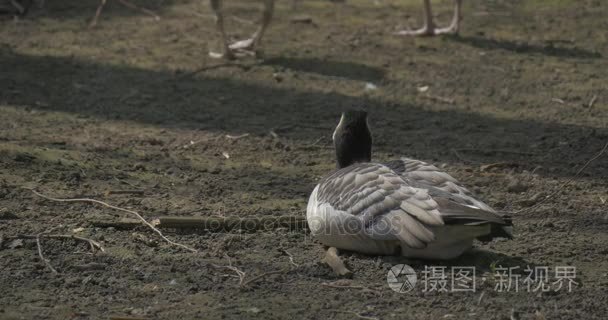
(223, 104)
(71, 9)
(550, 49)
(348, 70)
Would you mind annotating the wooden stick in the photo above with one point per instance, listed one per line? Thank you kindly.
(122, 224)
(232, 223)
(134, 192)
(183, 246)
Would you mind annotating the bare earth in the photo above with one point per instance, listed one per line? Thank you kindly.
(85, 111)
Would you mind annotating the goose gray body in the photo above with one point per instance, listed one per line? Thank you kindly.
(405, 207)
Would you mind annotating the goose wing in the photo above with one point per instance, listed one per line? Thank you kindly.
(439, 183)
(387, 207)
(456, 203)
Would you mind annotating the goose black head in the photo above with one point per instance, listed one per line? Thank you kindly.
(352, 139)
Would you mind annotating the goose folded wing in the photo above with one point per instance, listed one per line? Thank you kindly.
(424, 175)
(387, 207)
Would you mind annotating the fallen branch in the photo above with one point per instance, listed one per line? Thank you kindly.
(118, 209)
(122, 224)
(95, 245)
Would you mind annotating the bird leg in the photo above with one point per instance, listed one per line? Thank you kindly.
(334, 261)
(454, 26)
(249, 45)
(429, 28)
(218, 9)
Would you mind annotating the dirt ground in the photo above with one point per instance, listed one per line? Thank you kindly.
(117, 107)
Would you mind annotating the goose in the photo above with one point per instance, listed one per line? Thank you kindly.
(403, 207)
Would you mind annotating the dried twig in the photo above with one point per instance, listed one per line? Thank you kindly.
(92, 243)
(480, 297)
(232, 223)
(45, 260)
(258, 277)
(358, 315)
(592, 102)
(118, 209)
(241, 274)
(231, 137)
(290, 258)
(438, 98)
(565, 184)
